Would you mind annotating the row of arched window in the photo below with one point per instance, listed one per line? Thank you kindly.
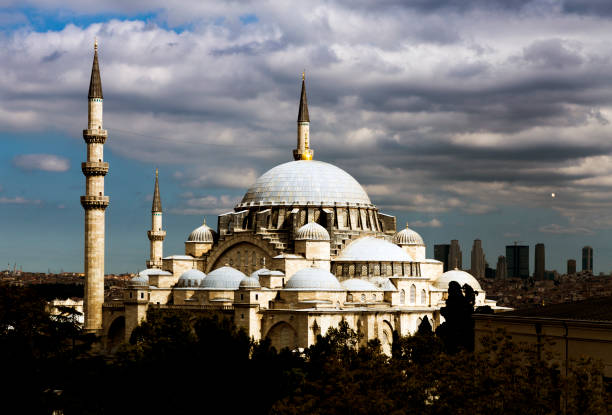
(413, 296)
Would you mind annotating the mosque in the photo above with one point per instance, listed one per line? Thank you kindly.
(304, 249)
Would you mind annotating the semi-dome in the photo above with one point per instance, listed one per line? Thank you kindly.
(191, 278)
(458, 276)
(202, 234)
(383, 283)
(305, 182)
(356, 284)
(408, 237)
(249, 282)
(313, 279)
(373, 249)
(226, 277)
(312, 231)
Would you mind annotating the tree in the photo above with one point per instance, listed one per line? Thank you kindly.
(457, 331)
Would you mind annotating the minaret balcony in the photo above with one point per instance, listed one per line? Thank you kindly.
(95, 202)
(94, 168)
(97, 136)
(156, 235)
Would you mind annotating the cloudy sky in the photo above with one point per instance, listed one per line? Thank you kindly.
(461, 117)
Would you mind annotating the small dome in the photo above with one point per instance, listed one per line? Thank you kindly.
(226, 277)
(142, 279)
(191, 278)
(313, 279)
(373, 249)
(408, 237)
(139, 281)
(312, 231)
(203, 234)
(249, 282)
(255, 274)
(461, 277)
(356, 284)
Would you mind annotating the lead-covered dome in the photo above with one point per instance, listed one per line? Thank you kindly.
(312, 231)
(313, 279)
(305, 182)
(373, 249)
(461, 277)
(191, 278)
(226, 278)
(202, 234)
(408, 237)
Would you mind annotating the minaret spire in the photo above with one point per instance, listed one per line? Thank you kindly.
(303, 151)
(95, 84)
(157, 207)
(94, 202)
(156, 234)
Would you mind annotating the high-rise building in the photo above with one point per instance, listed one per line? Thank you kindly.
(478, 260)
(455, 256)
(441, 253)
(587, 259)
(94, 203)
(502, 268)
(517, 257)
(571, 267)
(156, 234)
(540, 266)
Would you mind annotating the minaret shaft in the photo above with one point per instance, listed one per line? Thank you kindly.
(94, 203)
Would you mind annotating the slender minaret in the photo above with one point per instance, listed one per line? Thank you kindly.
(94, 202)
(303, 151)
(156, 234)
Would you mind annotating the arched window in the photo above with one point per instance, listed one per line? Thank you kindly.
(402, 297)
(412, 294)
(423, 297)
(363, 298)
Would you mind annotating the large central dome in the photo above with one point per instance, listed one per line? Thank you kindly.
(305, 182)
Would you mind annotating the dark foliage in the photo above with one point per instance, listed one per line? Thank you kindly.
(61, 291)
(457, 331)
(181, 362)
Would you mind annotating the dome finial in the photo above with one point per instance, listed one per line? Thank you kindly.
(304, 74)
(95, 43)
(407, 225)
(156, 173)
(204, 221)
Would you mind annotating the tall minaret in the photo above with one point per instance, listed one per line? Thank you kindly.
(156, 234)
(94, 202)
(303, 151)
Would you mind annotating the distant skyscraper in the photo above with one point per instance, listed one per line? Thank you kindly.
(571, 267)
(478, 260)
(455, 256)
(587, 259)
(540, 266)
(441, 253)
(517, 257)
(502, 268)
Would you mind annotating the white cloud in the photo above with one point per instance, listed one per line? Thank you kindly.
(18, 200)
(433, 223)
(569, 230)
(44, 162)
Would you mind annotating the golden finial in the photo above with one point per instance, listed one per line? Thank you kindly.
(156, 173)
(406, 225)
(96, 43)
(204, 221)
(303, 74)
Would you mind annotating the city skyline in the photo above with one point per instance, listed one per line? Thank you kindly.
(463, 133)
